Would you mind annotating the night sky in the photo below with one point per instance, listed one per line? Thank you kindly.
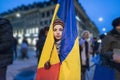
(101, 12)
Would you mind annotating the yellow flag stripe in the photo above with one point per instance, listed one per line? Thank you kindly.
(70, 67)
(49, 44)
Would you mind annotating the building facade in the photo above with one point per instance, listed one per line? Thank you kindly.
(27, 20)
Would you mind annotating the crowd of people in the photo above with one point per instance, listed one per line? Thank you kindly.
(101, 59)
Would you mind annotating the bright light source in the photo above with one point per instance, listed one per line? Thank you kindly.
(29, 40)
(100, 19)
(27, 35)
(105, 33)
(103, 29)
(20, 40)
(18, 15)
(15, 34)
(34, 41)
(35, 35)
(99, 41)
(78, 18)
(20, 35)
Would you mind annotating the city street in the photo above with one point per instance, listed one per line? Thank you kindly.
(23, 69)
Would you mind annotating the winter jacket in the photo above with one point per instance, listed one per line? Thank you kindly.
(6, 43)
(111, 42)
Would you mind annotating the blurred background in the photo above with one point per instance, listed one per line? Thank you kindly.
(28, 17)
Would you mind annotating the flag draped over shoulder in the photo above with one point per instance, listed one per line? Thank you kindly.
(67, 65)
(69, 51)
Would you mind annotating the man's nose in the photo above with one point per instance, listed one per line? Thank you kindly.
(58, 32)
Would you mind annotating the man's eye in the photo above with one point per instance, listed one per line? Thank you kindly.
(61, 29)
(55, 30)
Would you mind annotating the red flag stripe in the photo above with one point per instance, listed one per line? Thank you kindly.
(50, 74)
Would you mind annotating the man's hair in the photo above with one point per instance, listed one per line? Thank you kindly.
(58, 22)
(46, 28)
(116, 22)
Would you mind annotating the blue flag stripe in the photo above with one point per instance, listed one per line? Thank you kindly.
(66, 13)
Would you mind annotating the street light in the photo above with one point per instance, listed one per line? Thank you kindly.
(18, 15)
(78, 18)
(100, 19)
(104, 29)
(105, 33)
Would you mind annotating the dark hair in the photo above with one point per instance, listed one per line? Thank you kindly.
(46, 28)
(94, 37)
(42, 31)
(58, 22)
(101, 36)
(116, 22)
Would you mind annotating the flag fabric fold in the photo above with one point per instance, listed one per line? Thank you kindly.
(48, 49)
(66, 66)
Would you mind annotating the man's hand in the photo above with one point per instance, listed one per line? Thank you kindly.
(116, 57)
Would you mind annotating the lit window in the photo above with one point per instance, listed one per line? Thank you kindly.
(33, 30)
(27, 31)
(37, 30)
(30, 31)
(29, 40)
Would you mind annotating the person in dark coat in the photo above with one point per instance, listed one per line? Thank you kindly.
(15, 47)
(95, 46)
(111, 48)
(24, 49)
(41, 40)
(39, 43)
(102, 72)
(6, 45)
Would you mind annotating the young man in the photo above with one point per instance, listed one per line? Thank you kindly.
(111, 48)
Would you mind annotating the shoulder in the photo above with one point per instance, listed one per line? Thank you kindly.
(110, 35)
(4, 21)
(5, 25)
(81, 41)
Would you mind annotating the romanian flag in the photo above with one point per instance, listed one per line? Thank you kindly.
(66, 66)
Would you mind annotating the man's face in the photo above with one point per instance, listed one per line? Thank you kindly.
(86, 35)
(118, 28)
(58, 29)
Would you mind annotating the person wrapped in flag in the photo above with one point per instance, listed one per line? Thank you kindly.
(58, 27)
(60, 59)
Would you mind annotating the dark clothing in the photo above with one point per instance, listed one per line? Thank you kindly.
(110, 42)
(6, 43)
(24, 53)
(24, 49)
(6, 46)
(15, 47)
(3, 73)
(84, 54)
(39, 46)
(95, 47)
